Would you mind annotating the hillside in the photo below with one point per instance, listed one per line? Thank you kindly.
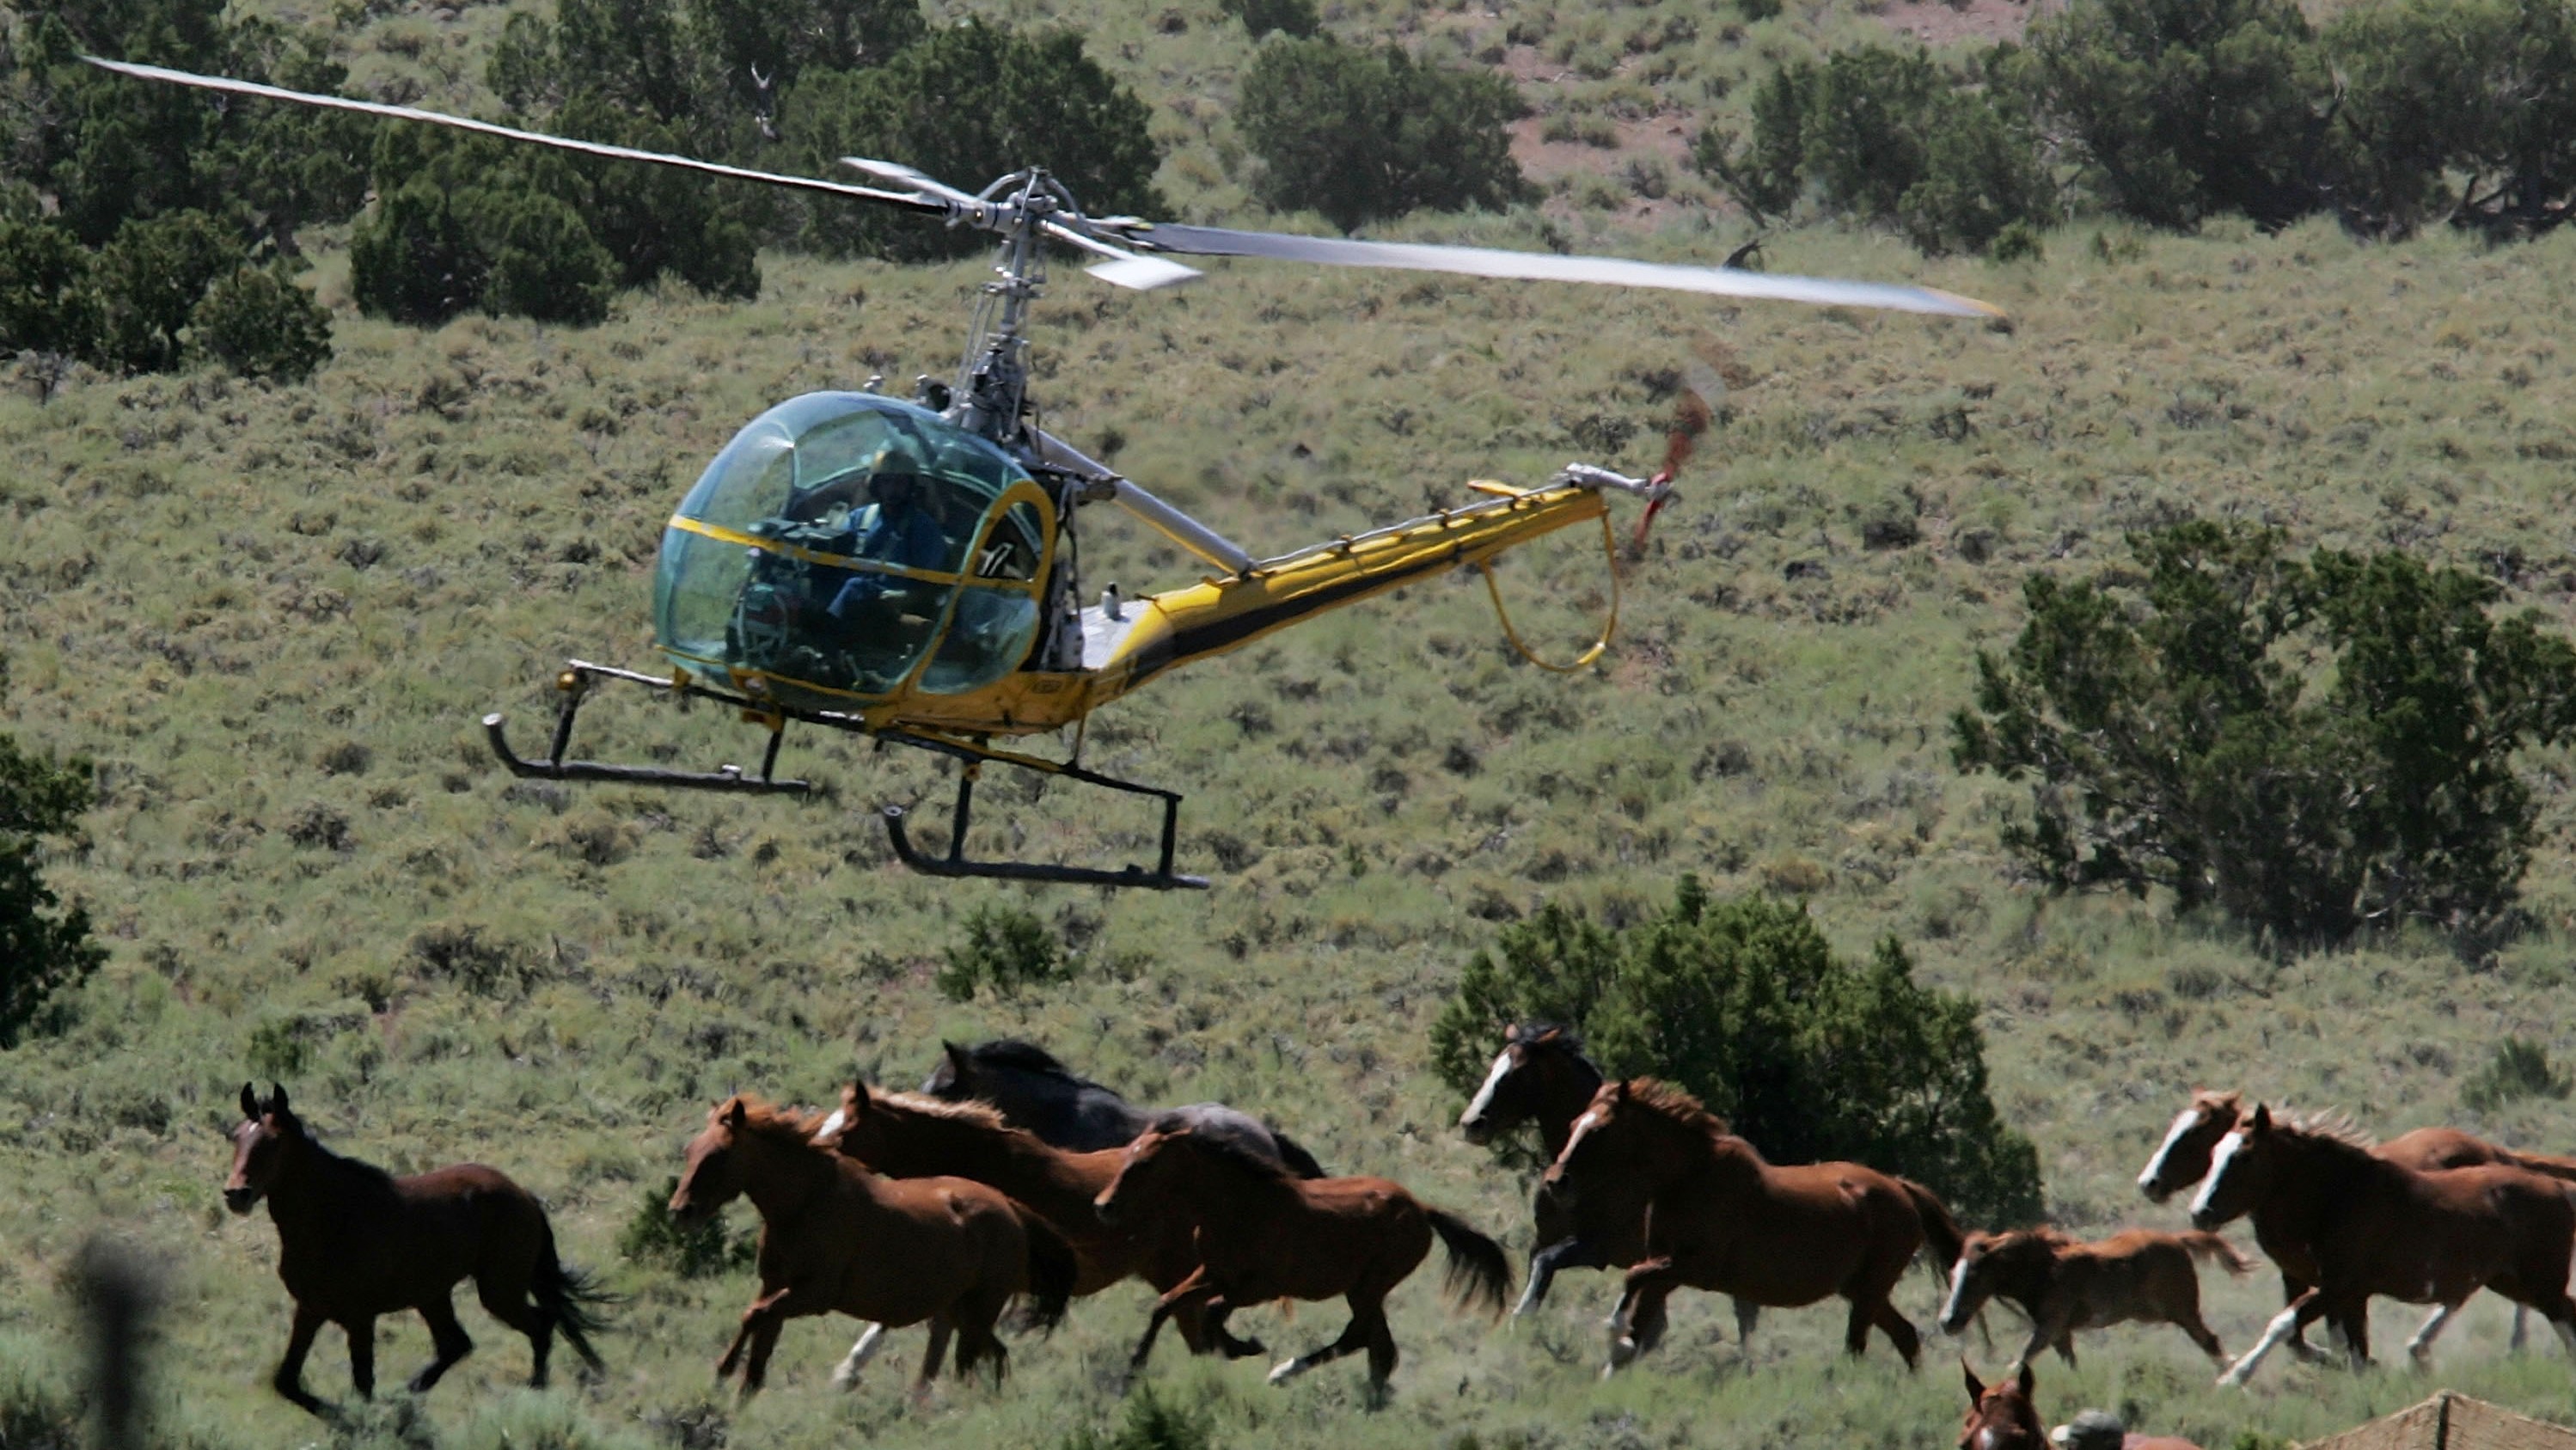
(274, 614)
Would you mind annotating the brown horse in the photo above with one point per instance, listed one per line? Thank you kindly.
(1265, 1234)
(907, 1135)
(2377, 1227)
(2138, 1276)
(1722, 1218)
(1542, 1077)
(355, 1242)
(834, 1236)
(2003, 1418)
(2183, 1159)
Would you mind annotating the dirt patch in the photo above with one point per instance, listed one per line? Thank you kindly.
(1938, 23)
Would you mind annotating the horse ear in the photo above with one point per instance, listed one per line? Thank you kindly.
(856, 1101)
(2262, 1117)
(1621, 1094)
(958, 1061)
(249, 1104)
(736, 1115)
(1976, 1386)
(2028, 1381)
(277, 1097)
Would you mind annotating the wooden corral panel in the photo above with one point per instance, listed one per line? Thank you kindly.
(2452, 1422)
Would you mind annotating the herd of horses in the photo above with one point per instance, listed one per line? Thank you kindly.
(1009, 1179)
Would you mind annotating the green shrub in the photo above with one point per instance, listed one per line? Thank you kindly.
(150, 280)
(2183, 109)
(263, 326)
(544, 263)
(2172, 738)
(1359, 134)
(691, 1250)
(1148, 1422)
(1003, 101)
(1744, 1004)
(47, 304)
(45, 949)
(1006, 948)
(414, 259)
(1295, 18)
(2432, 89)
(2518, 1070)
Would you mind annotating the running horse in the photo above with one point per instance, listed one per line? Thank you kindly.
(2140, 1275)
(2381, 1228)
(2183, 1159)
(906, 1135)
(1542, 1077)
(1721, 1217)
(355, 1242)
(1265, 1234)
(834, 1236)
(1032, 1090)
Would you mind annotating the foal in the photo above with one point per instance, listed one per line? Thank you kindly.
(1264, 1234)
(1722, 1218)
(2004, 1418)
(2140, 1275)
(2378, 1227)
(1542, 1077)
(355, 1242)
(834, 1236)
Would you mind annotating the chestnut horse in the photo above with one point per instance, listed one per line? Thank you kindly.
(906, 1135)
(1722, 1218)
(2183, 1159)
(1541, 1077)
(1266, 1234)
(2140, 1275)
(355, 1242)
(834, 1236)
(2377, 1227)
(2003, 1418)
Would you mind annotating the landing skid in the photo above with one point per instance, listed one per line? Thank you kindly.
(578, 676)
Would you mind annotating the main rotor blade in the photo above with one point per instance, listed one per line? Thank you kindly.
(897, 171)
(1125, 268)
(907, 200)
(1548, 267)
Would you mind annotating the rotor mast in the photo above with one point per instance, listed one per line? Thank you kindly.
(993, 376)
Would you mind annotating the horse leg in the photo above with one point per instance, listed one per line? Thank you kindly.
(506, 1298)
(1639, 1320)
(1747, 1314)
(845, 1376)
(1213, 1314)
(2299, 1347)
(1898, 1329)
(2420, 1348)
(758, 1336)
(1192, 1290)
(2188, 1320)
(2521, 1317)
(2352, 1330)
(289, 1379)
(361, 1329)
(1356, 1336)
(447, 1338)
(2302, 1312)
(1381, 1356)
(938, 1350)
(1570, 1252)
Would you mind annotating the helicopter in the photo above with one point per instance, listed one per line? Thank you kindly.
(910, 571)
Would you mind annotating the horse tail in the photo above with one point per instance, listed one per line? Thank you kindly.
(1294, 1154)
(1052, 1270)
(572, 1298)
(1941, 1233)
(1479, 1275)
(2211, 1247)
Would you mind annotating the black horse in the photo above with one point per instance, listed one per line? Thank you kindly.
(1034, 1091)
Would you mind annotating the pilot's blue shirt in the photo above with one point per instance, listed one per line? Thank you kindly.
(908, 538)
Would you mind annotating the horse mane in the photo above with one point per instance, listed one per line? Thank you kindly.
(1546, 1034)
(765, 1119)
(2332, 1125)
(1663, 1098)
(2048, 1235)
(1023, 1054)
(973, 1112)
(1178, 1125)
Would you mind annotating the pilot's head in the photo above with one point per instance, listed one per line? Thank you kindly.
(897, 480)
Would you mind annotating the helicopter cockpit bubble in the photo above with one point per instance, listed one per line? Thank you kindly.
(846, 549)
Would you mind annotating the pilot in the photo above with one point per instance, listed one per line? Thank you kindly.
(903, 534)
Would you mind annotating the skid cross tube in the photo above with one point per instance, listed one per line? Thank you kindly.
(955, 863)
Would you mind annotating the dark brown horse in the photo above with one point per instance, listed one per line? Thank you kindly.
(905, 1135)
(1266, 1234)
(1033, 1090)
(2183, 1159)
(1722, 1218)
(2382, 1228)
(2004, 1418)
(355, 1242)
(2138, 1276)
(1541, 1077)
(836, 1237)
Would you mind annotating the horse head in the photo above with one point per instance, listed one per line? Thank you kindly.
(2239, 1173)
(954, 1078)
(1589, 1146)
(2001, 1417)
(853, 1128)
(1972, 1281)
(2183, 1157)
(1143, 1175)
(1538, 1062)
(267, 1136)
(711, 1175)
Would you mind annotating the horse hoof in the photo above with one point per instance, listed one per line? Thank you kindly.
(1283, 1371)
